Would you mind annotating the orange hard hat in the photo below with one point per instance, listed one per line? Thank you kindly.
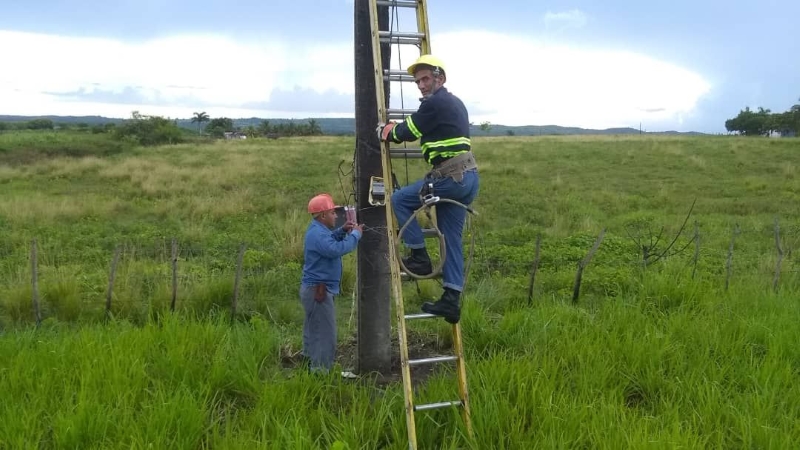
(320, 203)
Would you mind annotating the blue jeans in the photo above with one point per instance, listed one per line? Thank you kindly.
(449, 217)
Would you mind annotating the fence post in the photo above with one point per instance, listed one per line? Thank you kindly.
(534, 268)
(582, 264)
(696, 247)
(729, 262)
(236, 280)
(35, 283)
(174, 273)
(780, 256)
(111, 277)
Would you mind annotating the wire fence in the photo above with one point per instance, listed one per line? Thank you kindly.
(242, 279)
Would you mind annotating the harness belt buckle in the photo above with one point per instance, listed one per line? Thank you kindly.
(426, 194)
(430, 199)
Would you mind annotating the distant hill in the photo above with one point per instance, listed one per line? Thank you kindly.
(346, 126)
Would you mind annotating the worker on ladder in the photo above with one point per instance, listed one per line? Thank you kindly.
(442, 125)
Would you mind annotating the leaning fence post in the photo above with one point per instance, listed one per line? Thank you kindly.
(729, 262)
(780, 257)
(35, 283)
(174, 273)
(696, 247)
(534, 268)
(111, 277)
(582, 264)
(236, 280)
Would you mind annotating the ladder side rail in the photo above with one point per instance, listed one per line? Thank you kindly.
(390, 226)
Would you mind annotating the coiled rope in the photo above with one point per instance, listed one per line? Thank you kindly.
(442, 244)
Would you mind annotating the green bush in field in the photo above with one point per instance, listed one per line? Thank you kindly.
(149, 130)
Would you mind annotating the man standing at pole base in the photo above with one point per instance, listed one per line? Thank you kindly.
(442, 125)
(322, 272)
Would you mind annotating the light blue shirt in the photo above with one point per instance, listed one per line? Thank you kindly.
(322, 254)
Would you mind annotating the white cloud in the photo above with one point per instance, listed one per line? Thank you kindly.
(519, 81)
(572, 18)
(503, 79)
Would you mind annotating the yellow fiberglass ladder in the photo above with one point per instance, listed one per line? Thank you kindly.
(383, 187)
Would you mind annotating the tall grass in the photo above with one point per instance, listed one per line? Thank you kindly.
(656, 356)
(704, 372)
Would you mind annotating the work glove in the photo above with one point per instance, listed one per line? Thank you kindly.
(383, 131)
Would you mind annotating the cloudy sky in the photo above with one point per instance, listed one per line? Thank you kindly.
(671, 65)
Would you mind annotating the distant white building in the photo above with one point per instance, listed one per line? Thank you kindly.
(235, 135)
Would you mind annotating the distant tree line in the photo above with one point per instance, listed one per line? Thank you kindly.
(764, 122)
(47, 124)
(155, 130)
(218, 127)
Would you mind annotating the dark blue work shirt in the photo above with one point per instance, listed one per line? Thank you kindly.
(441, 124)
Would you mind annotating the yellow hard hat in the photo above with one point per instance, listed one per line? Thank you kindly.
(429, 60)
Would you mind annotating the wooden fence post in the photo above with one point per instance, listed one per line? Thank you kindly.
(174, 273)
(582, 265)
(780, 256)
(534, 268)
(729, 262)
(696, 248)
(35, 283)
(239, 261)
(111, 277)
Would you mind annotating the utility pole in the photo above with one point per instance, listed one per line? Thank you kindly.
(374, 273)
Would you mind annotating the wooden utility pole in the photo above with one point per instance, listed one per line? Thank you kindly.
(373, 275)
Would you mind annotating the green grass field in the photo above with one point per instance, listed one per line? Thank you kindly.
(674, 353)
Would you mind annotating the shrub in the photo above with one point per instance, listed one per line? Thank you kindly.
(149, 130)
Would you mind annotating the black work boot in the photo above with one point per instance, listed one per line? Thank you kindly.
(419, 263)
(447, 307)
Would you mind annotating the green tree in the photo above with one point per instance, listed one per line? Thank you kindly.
(314, 128)
(218, 126)
(250, 131)
(264, 128)
(149, 130)
(750, 123)
(39, 124)
(200, 118)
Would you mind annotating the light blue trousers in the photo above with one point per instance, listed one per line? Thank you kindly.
(319, 330)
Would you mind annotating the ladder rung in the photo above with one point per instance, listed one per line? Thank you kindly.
(402, 34)
(398, 3)
(399, 114)
(437, 405)
(406, 152)
(400, 40)
(420, 316)
(435, 359)
(397, 75)
(430, 232)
